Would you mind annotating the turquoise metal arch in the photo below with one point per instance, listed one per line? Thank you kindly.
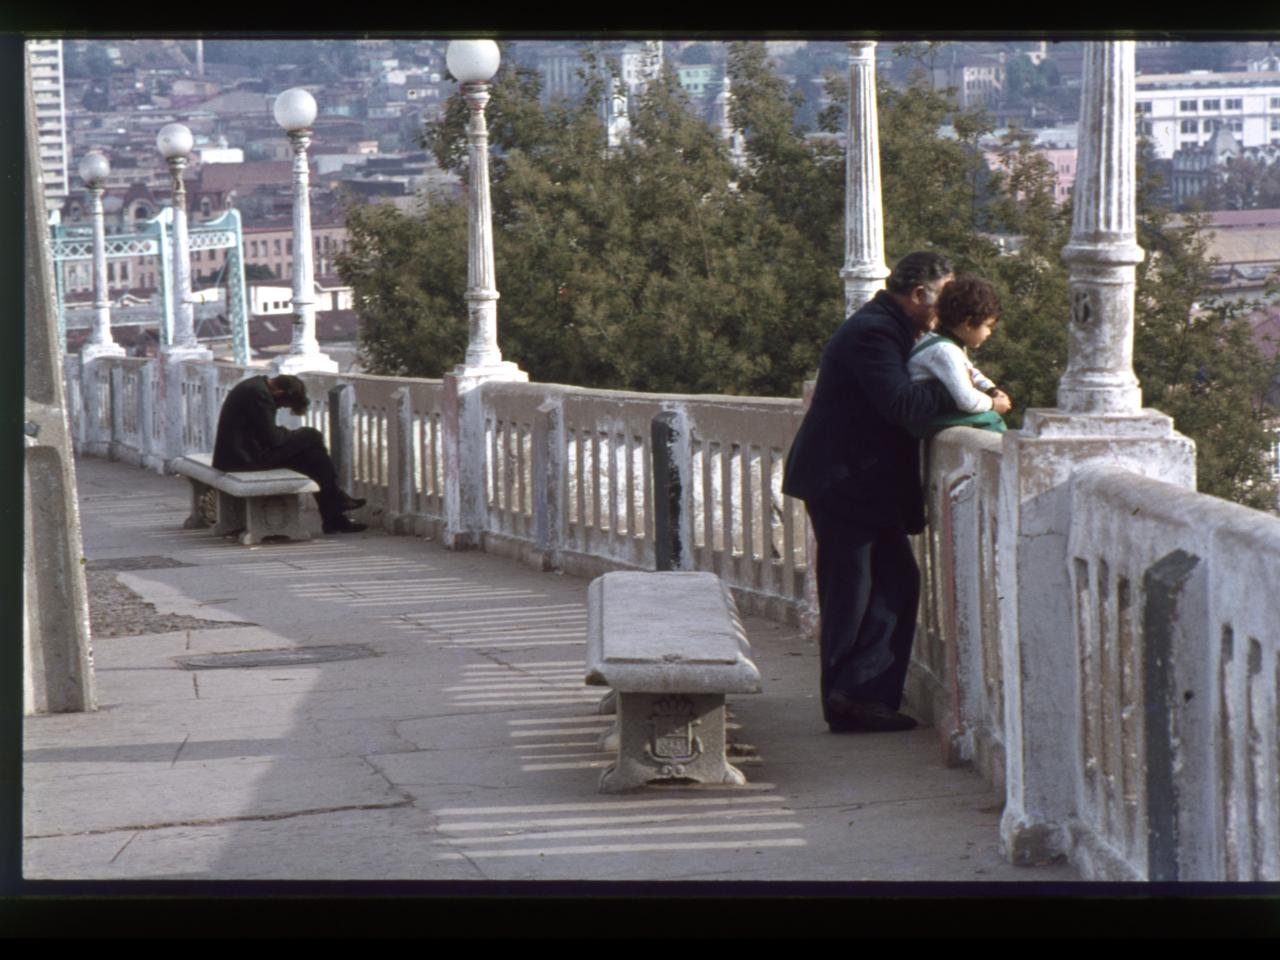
(72, 243)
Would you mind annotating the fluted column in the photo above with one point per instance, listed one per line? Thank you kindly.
(1051, 585)
(482, 291)
(101, 343)
(1103, 250)
(304, 349)
(864, 267)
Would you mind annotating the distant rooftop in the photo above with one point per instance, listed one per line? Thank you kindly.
(1208, 78)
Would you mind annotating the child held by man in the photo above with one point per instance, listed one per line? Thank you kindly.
(968, 309)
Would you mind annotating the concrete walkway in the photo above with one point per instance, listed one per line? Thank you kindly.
(457, 741)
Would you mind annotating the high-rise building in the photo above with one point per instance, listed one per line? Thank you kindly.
(45, 71)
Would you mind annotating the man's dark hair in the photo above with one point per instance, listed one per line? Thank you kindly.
(923, 268)
(294, 393)
(967, 301)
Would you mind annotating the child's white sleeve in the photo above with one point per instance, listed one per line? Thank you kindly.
(947, 363)
(980, 379)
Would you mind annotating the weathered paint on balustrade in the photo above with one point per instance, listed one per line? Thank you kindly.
(956, 677)
(1219, 750)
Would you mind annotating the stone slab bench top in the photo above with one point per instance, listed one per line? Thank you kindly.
(246, 483)
(667, 632)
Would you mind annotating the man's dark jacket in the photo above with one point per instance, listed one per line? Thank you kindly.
(247, 431)
(852, 453)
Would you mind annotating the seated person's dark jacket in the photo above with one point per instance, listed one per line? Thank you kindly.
(852, 453)
(247, 431)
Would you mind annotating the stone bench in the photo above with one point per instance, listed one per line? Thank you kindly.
(670, 647)
(261, 503)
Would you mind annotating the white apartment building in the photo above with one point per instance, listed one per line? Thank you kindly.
(1177, 110)
(45, 57)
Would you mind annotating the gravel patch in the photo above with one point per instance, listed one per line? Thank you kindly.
(117, 611)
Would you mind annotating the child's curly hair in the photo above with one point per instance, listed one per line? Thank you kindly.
(967, 301)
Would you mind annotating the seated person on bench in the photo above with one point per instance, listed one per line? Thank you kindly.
(248, 439)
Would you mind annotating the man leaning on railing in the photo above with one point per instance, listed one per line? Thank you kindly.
(857, 469)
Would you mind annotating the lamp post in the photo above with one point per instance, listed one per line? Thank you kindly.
(864, 268)
(295, 110)
(174, 142)
(93, 171)
(473, 63)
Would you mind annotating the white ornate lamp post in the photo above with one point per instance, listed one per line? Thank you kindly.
(473, 63)
(864, 268)
(93, 170)
(295, 110)
(175, 143)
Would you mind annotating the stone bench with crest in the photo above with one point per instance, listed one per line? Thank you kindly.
(255, 503)
(670, 646)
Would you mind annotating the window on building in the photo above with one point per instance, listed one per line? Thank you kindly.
(1236, 104)
(1144, 106)
(288, 246)
(124, 273)
(277, 246)
(253, 248)
(1187, 106)
(1211, 104)
(111, 273)
(1190, 126)
(1145, 128)
(1275, 103)
(1237, 126)
(1275, 123)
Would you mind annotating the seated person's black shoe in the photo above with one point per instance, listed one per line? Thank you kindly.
(845, 715)
(352, 503)
(344, 525)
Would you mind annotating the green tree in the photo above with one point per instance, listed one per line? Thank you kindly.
(660, 266)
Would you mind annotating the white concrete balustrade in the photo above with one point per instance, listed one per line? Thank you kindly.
(1097, 638)
(570, 485)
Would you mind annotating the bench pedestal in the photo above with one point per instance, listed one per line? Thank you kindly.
(664, 736)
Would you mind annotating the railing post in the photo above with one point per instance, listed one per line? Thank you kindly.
(118, 442)
(809, 612)
(1099, 419)
(1177, 685)
(152, 452)
(400, 463)
(211, 411)
(672, 516)
(548, 481)
(72, 373)
(342, 401)
(97, 442)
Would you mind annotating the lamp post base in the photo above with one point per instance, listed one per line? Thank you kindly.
(294, 363)
(176, 353)
(502, 370)
(92, 351)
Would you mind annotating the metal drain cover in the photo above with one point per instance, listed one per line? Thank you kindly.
(136, 563)
(288, 657)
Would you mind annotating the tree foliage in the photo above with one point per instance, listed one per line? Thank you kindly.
(661, 266)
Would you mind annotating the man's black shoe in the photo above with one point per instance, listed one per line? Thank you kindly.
(864, 716)
(352, 503)
(344, 525)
